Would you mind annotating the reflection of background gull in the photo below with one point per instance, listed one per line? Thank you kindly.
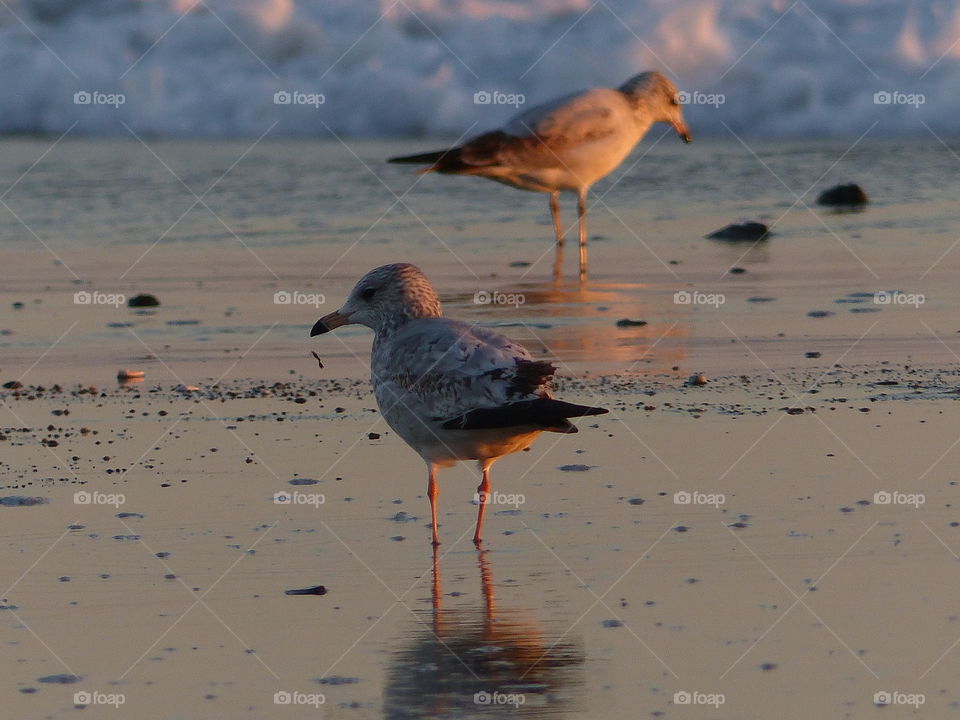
(566, 144)
(465, 651)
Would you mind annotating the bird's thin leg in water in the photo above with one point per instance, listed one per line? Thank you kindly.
(483, 492)
(582, 218)
(558, 232)
(432, 492)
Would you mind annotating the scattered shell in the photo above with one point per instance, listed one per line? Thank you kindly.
(697, 380)
(125, 375)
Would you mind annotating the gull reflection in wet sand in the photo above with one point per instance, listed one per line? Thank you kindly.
(464, 662)
(576, 323)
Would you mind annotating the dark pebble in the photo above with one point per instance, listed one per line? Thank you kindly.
(849, 195)
(627, 322)
(746, 231)
(143, 300)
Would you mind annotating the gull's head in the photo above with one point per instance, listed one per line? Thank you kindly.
(658, 100)
(384, 299)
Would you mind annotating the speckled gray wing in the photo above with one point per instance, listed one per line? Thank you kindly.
(447, 367)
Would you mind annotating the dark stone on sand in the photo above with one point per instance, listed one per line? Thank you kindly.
(627, 322)
(819, 313)
(12, 385)
(612, 623)
(61, 679)
(812, 354)
(315, 590)
(22, 501)
(760, 299)
(636, 501)
(123, 515)
(373, 436)
(737, 270)
(520, 263)
(575, 468)
(336, 680)
(741, 232)
(847, 195)
(767, 666)
(143, 300)
(303, 481)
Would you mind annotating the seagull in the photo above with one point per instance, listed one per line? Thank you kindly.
(566, 144)
(453, 391)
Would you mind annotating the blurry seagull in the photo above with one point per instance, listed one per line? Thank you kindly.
(566, 144)
(453, 391)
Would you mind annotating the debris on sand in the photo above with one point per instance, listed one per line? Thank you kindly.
(315, 590)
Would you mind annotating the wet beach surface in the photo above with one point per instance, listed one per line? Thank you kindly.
(783, 535)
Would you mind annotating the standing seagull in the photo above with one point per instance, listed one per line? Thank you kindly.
(453, 391)
(566, 144)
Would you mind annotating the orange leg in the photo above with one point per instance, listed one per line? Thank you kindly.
(483, 490)
(582, 217)
(558, 232)
(432, 491)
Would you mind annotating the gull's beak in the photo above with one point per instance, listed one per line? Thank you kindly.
(329, 322)
(682, 131)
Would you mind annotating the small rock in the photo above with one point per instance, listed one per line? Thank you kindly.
(575, 468)
(143, 300)
(627, 322)
(819, 313)
(812, 354)
(737, 270)
(697, 380)
(739, 232)
(848, 195)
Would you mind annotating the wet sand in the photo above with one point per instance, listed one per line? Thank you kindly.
(783, 578)
(804, 566)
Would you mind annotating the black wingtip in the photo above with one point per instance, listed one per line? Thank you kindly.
(545, 413)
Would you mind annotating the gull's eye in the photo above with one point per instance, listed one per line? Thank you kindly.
(674, 101)
(368, 293)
